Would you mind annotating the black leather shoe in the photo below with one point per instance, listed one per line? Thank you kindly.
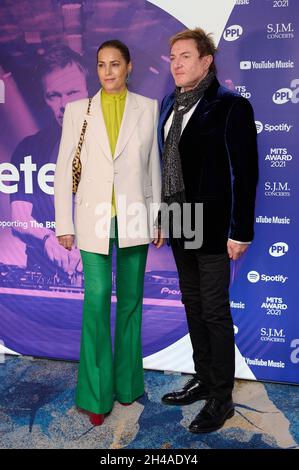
(212, 416)
(194, 390)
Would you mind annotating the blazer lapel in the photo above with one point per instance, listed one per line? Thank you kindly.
(196, 116)
(166, 110)
(95, 121)
(203, 109)
(131, 116)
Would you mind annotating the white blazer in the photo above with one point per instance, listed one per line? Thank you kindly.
(134, 172)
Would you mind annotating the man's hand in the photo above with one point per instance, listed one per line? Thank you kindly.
(235, 250)
(158, 238)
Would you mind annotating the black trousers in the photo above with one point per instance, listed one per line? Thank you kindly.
(204, 283)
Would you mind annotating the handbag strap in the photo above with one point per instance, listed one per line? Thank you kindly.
(81, 140)
(89, 104)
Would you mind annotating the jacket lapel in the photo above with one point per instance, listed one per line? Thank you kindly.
(204, 107)
(166, 110)
(196, 116)
(131, 116)
(96, 123)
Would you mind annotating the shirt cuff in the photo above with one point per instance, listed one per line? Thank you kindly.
(240, 243)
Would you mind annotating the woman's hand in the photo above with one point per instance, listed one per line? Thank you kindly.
(61, 251)
(158, 238)
(66, 241)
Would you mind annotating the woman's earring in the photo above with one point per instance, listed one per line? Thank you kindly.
(128, 79)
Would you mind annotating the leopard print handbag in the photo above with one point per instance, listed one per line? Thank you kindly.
(76, 165)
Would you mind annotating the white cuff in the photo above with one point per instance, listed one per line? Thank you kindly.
(240, 243)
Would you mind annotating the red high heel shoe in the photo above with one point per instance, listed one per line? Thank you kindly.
(96, 419)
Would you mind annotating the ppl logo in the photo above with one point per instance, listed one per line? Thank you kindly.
(282, 96)
(232, 33)
(259, 126)
(278, 249)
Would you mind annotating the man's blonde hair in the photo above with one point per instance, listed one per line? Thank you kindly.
(204, 42)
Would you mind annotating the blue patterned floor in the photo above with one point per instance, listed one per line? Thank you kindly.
(37, 411)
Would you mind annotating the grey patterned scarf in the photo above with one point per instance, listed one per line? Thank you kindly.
(173, 189)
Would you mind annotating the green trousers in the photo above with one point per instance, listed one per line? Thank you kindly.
(102, 375)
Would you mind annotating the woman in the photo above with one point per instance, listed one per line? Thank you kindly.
(120, 179)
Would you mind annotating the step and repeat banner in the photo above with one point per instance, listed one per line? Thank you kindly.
(48, 58)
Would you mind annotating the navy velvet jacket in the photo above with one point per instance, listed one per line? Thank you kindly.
(218, 151)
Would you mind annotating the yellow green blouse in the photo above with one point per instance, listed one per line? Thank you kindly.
(113, 106)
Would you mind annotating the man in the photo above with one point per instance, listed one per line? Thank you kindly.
(207, 138)
(63, 78)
